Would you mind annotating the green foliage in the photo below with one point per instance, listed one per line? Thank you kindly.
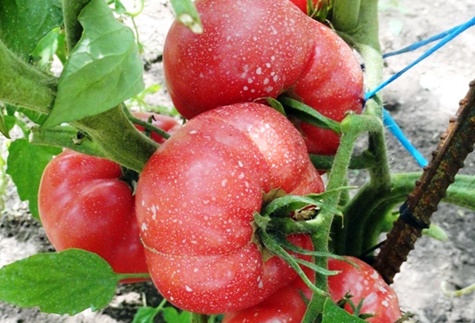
(103, 70)
(170, 314)
(333, 313)
(23, 23)
(67, 282)
(49, 46)
(25, 165)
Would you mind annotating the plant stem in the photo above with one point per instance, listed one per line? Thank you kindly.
(118, 139)
(352, 126)
(25, 85)
(345, 14)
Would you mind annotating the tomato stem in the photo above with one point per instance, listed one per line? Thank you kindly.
(24, 85)
(345, 14)
(352, 127)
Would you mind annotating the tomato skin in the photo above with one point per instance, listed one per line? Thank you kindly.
(83, 204)
(264, 49)
(285, 306)
(328, 85)
(365, 283)
(288, 304)
(196, 198)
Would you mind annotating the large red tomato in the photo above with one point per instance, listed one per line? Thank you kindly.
(83, 203)
(250, 50)
(196, 200)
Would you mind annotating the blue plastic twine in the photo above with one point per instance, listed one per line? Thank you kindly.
(452, 33)
(392, 126)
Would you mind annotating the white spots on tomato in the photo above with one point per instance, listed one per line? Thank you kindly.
(144, 227)
(154, 212)
(193, 132)
(260, 283)
(266, 81)
(188, 289)
(269, 89)
(245, 88)
(250, 80)
(259, 71)
(374, 275)
(385, 303)
(224, 182)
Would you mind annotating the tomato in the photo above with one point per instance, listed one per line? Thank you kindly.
(196, 199)
(289, 303)
(286, 305)
(83, 203)
(364, 283)
(263, 49)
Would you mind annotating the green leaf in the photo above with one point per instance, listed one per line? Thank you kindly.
(171, 315)
(332, 313)
(436, 232)
(307, 114)
(285, 205)
(25, 165)
(103, 70)
(47, 47)
(145, 315)
(67, 282)
(187, 14)
(276, 105)
(3, 126)
(24, 22)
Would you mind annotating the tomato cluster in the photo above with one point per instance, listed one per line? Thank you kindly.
(190, 223)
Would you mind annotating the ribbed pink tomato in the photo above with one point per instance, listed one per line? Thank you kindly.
(196, 200)
(250, 50)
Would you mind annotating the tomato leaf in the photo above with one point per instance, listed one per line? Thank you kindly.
(23, 23)
(67, 282)
(309, 115)
(170, 314)
(25, 165)
(332, 313)
(276, 105)
(103, 70)
(145, 315)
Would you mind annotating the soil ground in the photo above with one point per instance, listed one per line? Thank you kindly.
(421, 101)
